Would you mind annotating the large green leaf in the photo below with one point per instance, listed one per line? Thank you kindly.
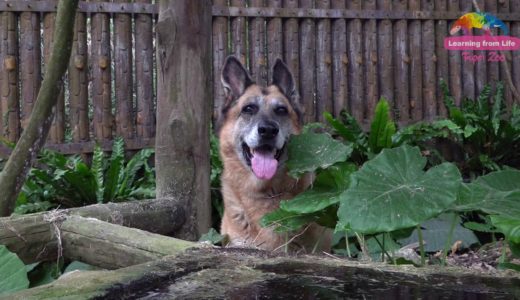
(13, 274)
(392, 192)
(340, 128)
(329, 184)
(283, 220)
(495, 193)
(310, 151)
(436, 232)
(510, 227)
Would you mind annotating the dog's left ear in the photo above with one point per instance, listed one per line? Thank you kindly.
(284, 80)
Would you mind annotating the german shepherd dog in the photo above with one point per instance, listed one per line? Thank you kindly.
(255, 125)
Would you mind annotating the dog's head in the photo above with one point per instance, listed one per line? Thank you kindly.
(257, 121)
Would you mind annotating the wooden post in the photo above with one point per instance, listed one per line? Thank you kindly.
(183, 110)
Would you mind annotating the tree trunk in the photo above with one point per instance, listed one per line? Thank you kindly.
(33, 237)
(183, 110)
(34, 135)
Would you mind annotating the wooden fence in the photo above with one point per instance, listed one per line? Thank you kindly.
(109, 89)
(345, 54)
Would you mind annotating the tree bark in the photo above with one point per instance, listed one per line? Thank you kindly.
(33, 237)
(34, 136)
(183, 110)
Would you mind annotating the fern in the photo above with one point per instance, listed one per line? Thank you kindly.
(113, 175)
(498, 108)
(97, 171)
(131, 169)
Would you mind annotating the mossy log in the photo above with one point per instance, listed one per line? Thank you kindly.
(111, 246)
(33, 236)
(215, 273)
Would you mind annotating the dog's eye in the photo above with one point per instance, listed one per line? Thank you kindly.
(281, 111)
(250, 109)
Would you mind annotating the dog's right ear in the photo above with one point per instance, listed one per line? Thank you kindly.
(235, 79)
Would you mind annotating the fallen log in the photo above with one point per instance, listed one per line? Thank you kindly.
(33, 236)
(248, 274)
(111, 246)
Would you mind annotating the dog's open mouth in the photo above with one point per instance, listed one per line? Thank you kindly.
(263, 160)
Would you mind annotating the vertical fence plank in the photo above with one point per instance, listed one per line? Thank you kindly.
(416, 64)
(308, 59)
(385, 57)
(468, 67)
(339, 61)
(274, 37)
(493, 71)
(144, 70)
(101, 76)
(220, 51)
(515, 55)
(30, 62)
(257, 55)
(372, 89)
(455, 82)
(429, 78)
(290, 41)
(355, 70)
(57, 130)
(78, 81)
(481, 66)
(323, 64)
(9, 101)
(238, 34)
(441, 31)
(503, 7)
(402, 61)
(123, 74)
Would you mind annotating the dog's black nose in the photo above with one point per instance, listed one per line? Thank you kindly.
(267, 130)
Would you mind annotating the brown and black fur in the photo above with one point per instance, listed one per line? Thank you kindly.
(247, 198)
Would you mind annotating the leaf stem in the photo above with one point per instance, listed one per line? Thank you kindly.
(448, 241)
(383, 248)
(347, 245)
(421, 245)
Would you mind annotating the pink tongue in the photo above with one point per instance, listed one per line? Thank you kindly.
(264, 165)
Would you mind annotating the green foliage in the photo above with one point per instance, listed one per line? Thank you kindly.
(487, 134)
(392, 192)
(216, 171)
(382, 128)
(13, 274)
(67, 181)
(365, 146)
(212, 236)
(312, 151)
